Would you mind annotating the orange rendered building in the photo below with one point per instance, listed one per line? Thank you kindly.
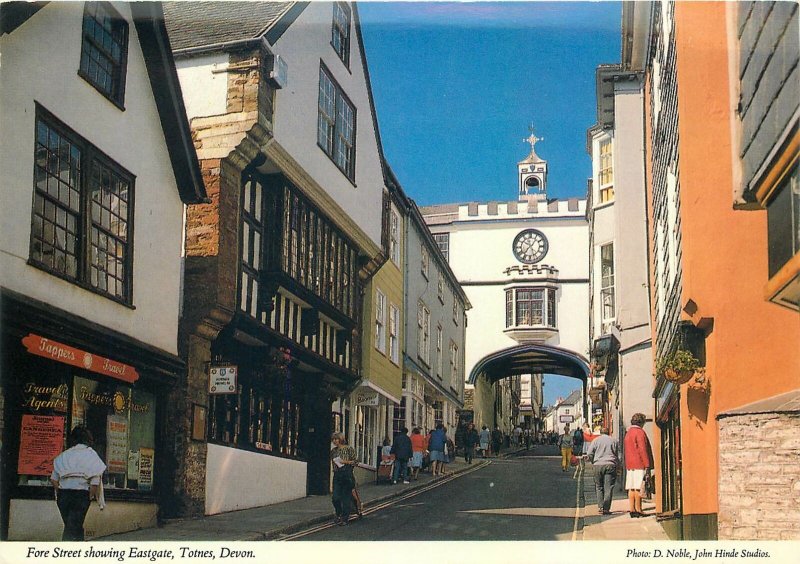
(726, 447)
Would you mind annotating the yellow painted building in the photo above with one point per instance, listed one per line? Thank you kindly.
(371, 407)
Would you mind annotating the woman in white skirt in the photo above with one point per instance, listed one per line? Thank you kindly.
(638, 462)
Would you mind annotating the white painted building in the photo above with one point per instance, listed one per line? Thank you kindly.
(97, 162)
(524, 267)
(621, 383)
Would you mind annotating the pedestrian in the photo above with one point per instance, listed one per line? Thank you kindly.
(77, 479)
(577, 441)
(343, 458)
(484, 440)
(449, 451)
(603, 453)
(402, 450)
(471, 439)
(436, 444)
(517, 434)
(497, 440)
(638, 462)
(565, 444)
(417, 451)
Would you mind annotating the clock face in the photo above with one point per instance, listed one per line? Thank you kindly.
(530, 246)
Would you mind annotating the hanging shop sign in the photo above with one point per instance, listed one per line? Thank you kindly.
(41, 440)
(566, 418)
(222, 379)
(47, 348)
(367, 397)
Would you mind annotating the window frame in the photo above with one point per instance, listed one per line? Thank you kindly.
(338, 96)
(607, 287)
(548, 300)
(394, 334)
(116, 98)
(424, 333)
(605, 171)
(89, 156)
(380, 321)
(443, 242)
(394, 236)
(425, 261)
(439, 352)
(342, 32)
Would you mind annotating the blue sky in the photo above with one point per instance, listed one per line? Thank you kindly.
(456, 86)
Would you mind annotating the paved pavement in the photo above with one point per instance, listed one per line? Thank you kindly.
(281, 520)
(619, 525)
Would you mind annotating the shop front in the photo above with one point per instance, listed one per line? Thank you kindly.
(60, 371)
(669, 501)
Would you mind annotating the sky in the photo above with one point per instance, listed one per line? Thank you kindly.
(457, 85)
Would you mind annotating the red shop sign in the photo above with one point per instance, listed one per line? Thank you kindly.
(60, 352)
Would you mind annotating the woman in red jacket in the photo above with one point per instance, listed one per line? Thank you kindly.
(638, 462)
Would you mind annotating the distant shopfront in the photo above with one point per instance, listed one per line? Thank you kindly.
(60, 371)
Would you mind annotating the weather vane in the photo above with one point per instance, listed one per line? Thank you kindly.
(532, 139)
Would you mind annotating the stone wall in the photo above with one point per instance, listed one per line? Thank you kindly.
(759, 477)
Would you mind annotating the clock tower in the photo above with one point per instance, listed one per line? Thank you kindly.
(532, 174)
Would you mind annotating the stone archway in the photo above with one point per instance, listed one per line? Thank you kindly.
(529, 359)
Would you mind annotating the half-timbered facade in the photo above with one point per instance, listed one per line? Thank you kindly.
(281, 110)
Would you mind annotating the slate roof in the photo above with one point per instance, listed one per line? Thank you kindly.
(200, 24)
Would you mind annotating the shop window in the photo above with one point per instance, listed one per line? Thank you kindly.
(365, 428)
(399, 416)
(257, 417)
(122, 421)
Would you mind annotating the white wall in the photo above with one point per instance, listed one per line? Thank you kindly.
(302, 46)
(238, 479)
(38, 519)
(205, 92)
(40, 62)
(491, 242)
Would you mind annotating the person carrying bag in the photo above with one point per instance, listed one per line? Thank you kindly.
(77, 480)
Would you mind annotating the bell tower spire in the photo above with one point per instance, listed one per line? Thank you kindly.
(532, 172)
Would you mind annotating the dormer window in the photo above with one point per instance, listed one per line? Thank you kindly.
(340, 39)
(104, 50)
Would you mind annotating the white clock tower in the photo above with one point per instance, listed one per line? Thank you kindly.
(532, 173)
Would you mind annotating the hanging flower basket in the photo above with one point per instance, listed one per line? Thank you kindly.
(679, 367)
(678, 377)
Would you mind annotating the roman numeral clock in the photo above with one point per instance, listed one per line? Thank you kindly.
(530, 246)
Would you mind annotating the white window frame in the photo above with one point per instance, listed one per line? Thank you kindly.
(380, 321)
(440, 290)
(439, 350)
(424, 333)
(607, 290)
(443, 242)
(453, 361)
(394, 334)
(425, 260)
(394, 236)
(605, 171)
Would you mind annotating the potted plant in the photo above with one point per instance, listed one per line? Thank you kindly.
(679, 366)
